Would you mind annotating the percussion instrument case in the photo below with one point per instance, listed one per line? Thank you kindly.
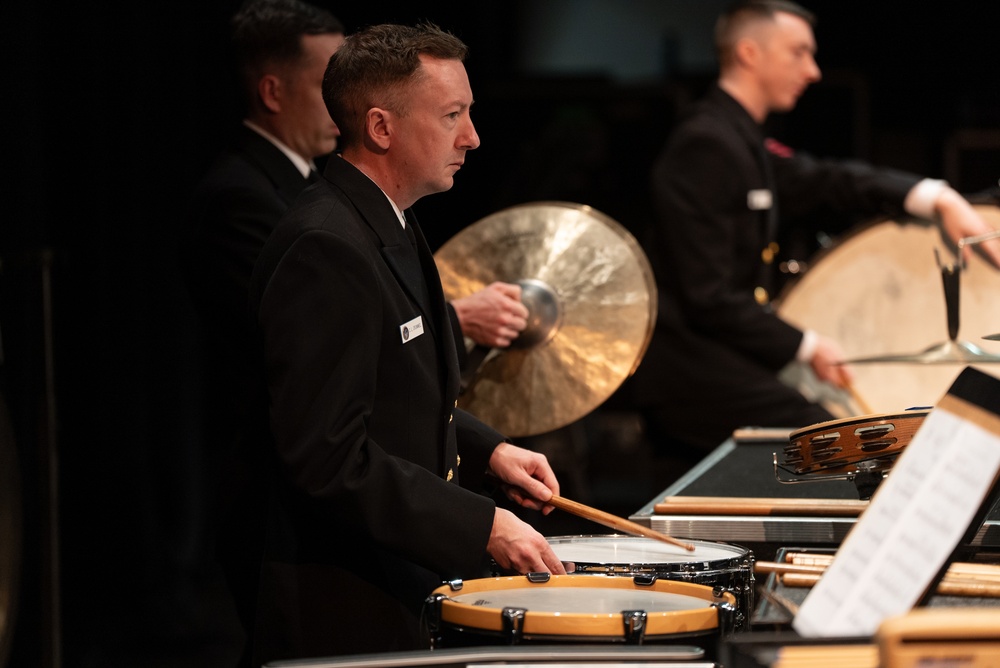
(743, 466)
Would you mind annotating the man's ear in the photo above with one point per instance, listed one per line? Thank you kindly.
(747, 52)
(270, 90)
(378, 127)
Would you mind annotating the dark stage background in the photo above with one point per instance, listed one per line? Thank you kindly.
(114, 109)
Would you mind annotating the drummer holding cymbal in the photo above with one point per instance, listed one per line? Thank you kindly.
(375, 471)
(718, 189)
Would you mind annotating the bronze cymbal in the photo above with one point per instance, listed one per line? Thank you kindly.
(948, 352)
(591, 298)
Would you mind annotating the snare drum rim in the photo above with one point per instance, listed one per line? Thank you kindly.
(582, 624)
(667, 568)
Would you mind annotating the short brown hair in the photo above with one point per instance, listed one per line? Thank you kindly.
(268, 33)
(732, 22)
(374, 67)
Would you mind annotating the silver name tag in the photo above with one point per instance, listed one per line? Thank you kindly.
(759, 200)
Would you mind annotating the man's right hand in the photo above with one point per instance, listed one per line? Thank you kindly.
(518, 548)
(493, 316)
(827, 364)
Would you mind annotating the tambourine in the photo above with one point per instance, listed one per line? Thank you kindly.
(836, 447)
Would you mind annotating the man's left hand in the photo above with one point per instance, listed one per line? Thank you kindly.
(960, 220)
(527, 477)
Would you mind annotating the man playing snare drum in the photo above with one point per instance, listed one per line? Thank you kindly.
(718, 188)
(376, 475)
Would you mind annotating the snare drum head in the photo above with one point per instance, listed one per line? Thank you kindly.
(641, 554)
(878, 292)
(575, 606)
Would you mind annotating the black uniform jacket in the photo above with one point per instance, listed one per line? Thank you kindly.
(712, 364)
(233, 210)
(362, 376)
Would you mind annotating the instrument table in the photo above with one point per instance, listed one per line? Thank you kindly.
(742, 466)
(770, 612)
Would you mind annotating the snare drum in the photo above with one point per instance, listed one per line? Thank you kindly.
(720, 565)
(572, 608)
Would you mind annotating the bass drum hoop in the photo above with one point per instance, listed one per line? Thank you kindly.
(878, 291)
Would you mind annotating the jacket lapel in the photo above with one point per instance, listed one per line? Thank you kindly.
(432, 283)
(399, 254)
(287, 179)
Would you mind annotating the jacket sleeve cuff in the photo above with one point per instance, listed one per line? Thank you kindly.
(921, 199)
(807, 347)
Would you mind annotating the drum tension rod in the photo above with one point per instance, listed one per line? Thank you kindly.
(432, 618)
(727, 618)
(512, 620)
(635, 626)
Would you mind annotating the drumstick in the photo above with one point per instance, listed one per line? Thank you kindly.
(734, 505)
(946, 587)
(862, 404)
(614, 522)
(785, 568)
(827, 656)
(957, 570)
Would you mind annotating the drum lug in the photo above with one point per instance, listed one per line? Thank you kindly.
(727, 618)
(538, 577)
(512, 621)
(644, 579)
(635, 626)
(455, 585)
(739, 621)
(432, 618)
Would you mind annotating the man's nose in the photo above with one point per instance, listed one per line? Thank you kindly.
(469, 139)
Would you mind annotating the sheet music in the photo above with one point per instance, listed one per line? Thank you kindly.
(915, 520)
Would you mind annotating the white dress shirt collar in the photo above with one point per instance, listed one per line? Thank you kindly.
(304, 166)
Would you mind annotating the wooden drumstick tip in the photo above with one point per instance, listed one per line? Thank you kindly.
(615, 522)
(862, 404)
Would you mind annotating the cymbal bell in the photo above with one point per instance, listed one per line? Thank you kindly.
(949, 352)
(591, 299)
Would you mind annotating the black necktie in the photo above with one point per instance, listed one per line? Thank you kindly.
(313, 176)
(409, 233)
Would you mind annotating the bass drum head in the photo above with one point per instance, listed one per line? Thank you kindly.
(878, 292)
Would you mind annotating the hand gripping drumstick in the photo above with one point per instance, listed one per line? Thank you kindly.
(614, 522)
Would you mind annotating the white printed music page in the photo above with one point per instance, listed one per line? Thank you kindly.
(916, 518)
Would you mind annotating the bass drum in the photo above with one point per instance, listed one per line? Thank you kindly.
(878, 291)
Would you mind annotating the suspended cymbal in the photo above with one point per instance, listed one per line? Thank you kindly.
(949, 352)
(591, 299)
